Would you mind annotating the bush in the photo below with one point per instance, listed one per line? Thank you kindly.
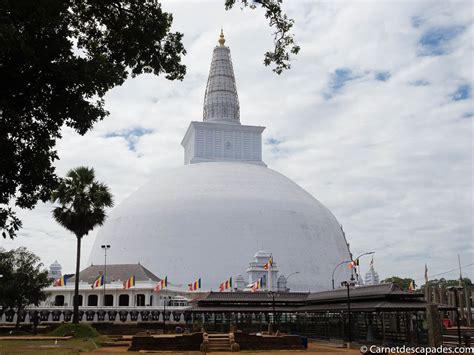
(77, 330)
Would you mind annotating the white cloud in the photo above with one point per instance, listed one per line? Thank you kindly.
(392, 159)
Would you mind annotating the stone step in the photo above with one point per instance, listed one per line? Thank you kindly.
(219, 348)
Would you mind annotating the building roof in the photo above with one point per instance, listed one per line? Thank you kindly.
(253, 297)
(116, 272)
(371, 291)
(382, 297)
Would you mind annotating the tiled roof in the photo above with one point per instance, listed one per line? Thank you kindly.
(373, 291)
(116, 272)
(255, 296)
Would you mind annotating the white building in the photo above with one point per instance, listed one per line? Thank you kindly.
(55, 270)
(203, 219)
(113, 294)
(372, 276)
(256, 271)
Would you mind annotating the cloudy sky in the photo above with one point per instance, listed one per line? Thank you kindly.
(374, 119)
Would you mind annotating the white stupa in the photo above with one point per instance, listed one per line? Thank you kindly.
(205, 218)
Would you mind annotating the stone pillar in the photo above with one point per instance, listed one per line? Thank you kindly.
(436, 294)
(428, 293)
(451, 302)
(442, 294)
(467, 304)
(460, 297)
(435, 337)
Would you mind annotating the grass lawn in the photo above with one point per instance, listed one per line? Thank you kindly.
(71, 346)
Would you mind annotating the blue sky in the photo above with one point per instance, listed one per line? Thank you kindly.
(374, 119)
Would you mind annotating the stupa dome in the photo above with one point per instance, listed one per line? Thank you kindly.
(207, 218)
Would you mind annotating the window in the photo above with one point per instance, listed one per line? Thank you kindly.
(59, 300)
(140, 300)
(108, 300)
(151, 300)
(124, 300)
(92, 300)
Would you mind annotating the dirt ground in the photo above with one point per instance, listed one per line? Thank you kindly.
(79, 346)
(313, 348)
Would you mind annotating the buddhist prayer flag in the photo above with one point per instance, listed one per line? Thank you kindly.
(269, 263)
(411, 286)
(161, 285)
(99, 282)
(257, 285)
(226, 285)
(62, 281)
(129, 283)
(196, 285)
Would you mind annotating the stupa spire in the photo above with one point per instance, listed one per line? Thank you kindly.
(221, 38)
(221, 103)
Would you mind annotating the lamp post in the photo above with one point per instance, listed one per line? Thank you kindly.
(105, 247)
(361, 255)
(272, 295)
(293, 273)
(164, 315)
(348, 261)
(348, 286)
(455, 289)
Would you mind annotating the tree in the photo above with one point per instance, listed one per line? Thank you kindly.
(57, 61)
(466, 282)
(23, 280)
(403, 283)
(82, 207)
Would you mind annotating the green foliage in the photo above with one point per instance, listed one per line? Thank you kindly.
(57, 61)
(402, 283)
(82, 207)
(82, 201)
(466, 282)
(23, 279)
(82, 330)
(284, 42)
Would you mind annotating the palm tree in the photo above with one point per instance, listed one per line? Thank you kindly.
(82, 203)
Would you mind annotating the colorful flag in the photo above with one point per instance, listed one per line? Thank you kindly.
(411, 286)
(62, 281)
(161, 285)
(196, 285)
(269, 263)
(227, 284)
(98, 282)
(129, 283)
(257, 285)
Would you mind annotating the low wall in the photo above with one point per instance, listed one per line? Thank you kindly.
(131, 328)
(178, 342)
(268, 342)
